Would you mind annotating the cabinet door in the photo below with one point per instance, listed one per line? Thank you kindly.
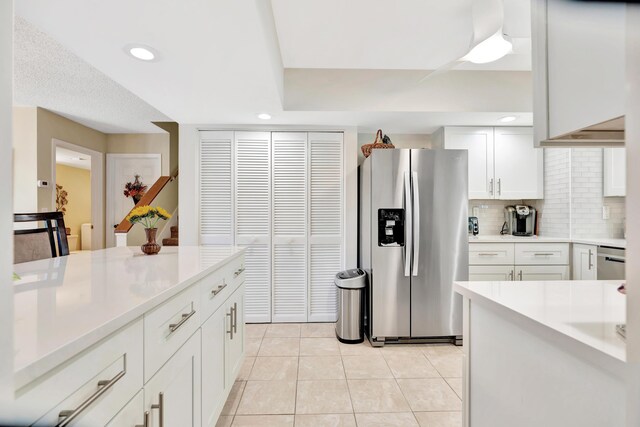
(325, 224)
(615, 172)
(584, 262)
(176, 388)
(216, 189)
(542, 272)
(289, 154)
(131, 415)
(488, 273)
(518, 164)
(253, 218)
(213, 366)
(234, 342)
(585, 64)
(479, 142)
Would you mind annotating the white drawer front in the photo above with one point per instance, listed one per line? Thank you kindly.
(491, 254)
(115, 363)
(217, 287)
(542, 272)
(542, 254)
(169, 326)
(132, 414)
(490, 273)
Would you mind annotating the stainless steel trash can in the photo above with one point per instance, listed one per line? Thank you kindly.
(351, 287)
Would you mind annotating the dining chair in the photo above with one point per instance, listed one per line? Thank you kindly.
(49, 241)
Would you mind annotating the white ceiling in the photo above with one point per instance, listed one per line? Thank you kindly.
(48, 75)
(72, 158)
(223, 62)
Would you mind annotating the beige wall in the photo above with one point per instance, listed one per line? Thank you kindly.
(174, 138)
(125, 143)
(52, 126)
(76, 182)
(25, 153)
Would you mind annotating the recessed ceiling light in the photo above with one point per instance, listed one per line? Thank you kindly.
(507, 119)
(144, 53)
(491, 49)
(264, 116)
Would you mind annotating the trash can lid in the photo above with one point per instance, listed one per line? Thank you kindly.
(351, 279)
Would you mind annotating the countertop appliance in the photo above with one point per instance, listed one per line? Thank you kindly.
(474, 227)
(520, 220)
(611, 263)
(413, 243)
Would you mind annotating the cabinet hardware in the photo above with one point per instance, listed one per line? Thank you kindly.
(235, 317)
(185, 316)
(520, 275)
(491, 186)
(511, 275)
(145, 422)
(543, 254)
(103, 386)
(238, 272)
(219, 289)
(230, 314)
(160, 407)
(613, 259)
(487, 254)
(590, 261)
(499, 186)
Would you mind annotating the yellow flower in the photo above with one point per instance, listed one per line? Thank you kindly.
(162, 213)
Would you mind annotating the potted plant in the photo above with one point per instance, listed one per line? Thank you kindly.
(135, 189)
(149, 216)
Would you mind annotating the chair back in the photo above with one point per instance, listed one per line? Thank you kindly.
(32, 244)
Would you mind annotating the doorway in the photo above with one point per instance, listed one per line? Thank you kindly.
(123, 169)
(78, 176)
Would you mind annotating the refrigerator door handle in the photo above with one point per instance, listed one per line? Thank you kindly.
(416, 221)
(408, 224)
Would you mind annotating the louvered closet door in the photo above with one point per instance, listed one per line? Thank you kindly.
(216, 195)
(289, 210)
(325, 231)
(253, 220)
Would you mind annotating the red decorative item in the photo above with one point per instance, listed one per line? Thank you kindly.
(135, 189)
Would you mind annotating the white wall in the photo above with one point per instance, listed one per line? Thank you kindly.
(6, 208)
(399, 140)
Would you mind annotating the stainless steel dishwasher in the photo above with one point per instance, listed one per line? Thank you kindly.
(611, 262)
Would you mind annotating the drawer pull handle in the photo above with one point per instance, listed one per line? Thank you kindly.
(238, 272)
(145, 422)
(219, 289)
(103, 386)
(520, 275)
(160, 407)
(231, 316)
(543, 254)
(235, 317)
(185, 316)
(487, 254)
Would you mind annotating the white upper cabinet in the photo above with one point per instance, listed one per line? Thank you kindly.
(503, 162)
(615, 172)
(578, 65)
(518, 164)
(479, 142)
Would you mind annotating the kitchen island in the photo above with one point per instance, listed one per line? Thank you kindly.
(543, 353)
(104, 337)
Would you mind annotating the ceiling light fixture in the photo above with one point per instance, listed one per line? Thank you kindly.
(264, 116)
(507, 119)
(491, 49)
(143, 53)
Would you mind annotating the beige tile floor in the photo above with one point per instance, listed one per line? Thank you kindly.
(300, 375)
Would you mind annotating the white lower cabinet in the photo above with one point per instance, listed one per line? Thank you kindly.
(172, 396)
(483, 273)
(132, 414)
(585, 258)
(542, 272)
(518, 261)
(234, 337)
(213, 366)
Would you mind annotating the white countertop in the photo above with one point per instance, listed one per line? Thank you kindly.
(616, 243)
(585, 311)
(64, 305)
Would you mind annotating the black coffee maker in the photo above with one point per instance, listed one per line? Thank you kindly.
(519, 220)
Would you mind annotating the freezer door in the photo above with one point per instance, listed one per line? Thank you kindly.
(441, 245)
(390, 268)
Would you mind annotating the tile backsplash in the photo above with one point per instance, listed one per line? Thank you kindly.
(490, 214)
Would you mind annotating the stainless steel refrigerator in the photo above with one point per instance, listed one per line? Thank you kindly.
(414, 243)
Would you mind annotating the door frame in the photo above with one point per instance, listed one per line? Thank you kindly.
(109, 206)
(97, 187)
